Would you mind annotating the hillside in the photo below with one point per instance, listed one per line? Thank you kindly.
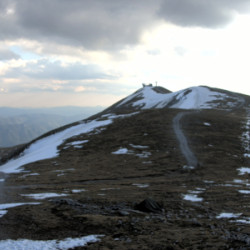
(157, 170)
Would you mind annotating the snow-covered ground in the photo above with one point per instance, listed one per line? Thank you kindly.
(122, 151)
(47, 147)
(192, 197)
(244, 191)
(76, 143)
(244, 170)
(125, 151)
(42, 196)
(68, 243)
(75, 191)
(228, 215)
(191, 98)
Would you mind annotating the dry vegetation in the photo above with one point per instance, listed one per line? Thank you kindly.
(114, 184)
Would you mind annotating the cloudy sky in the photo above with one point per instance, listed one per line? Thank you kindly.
(95, 52)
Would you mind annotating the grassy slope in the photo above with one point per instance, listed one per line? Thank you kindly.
(109, 180)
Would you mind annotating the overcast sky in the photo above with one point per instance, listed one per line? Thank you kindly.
(95, 52)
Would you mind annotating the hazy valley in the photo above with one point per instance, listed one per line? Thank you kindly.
(20, 125)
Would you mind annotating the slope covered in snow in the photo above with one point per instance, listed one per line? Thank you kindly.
(47, 147)
(191, 98)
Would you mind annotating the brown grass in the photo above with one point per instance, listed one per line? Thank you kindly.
(107, 204)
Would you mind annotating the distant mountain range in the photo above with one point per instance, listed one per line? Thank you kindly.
(21, 125)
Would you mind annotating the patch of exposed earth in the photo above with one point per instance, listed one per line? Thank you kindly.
(95, 186)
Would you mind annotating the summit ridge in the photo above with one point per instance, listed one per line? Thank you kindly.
(200, 97)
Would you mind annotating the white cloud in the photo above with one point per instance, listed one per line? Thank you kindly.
(109, 48)
(80, 89)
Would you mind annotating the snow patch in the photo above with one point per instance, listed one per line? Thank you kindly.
(144, 154)
(140, 185)
(62, 171)
(3, 212)
(241, 181)
(228, 215)
(76, 144)
(196, 191)
(228, 185)
(238, 181)
(75, 191)
(244, 170)
(113, 116)
(68, 243)
(32, 174)
(244, 191)
(46, 148)
(138, 146)
(244, 221)
(42, 196)
(121, 151)
(186, 167)
(192, 197)
(207, 124)
(208, 182)
(124, 151)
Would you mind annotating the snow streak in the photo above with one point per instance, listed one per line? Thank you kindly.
(46, 148)
(68, 243)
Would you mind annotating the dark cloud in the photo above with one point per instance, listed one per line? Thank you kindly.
(202, 13)
(45, 69)
(6, 54)
(98, 24)
(107, 24)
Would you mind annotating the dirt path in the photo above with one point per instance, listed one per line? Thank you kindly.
(185, 149)
(2, 193)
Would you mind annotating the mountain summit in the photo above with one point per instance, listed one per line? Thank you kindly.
(156, 170)
(200, 97)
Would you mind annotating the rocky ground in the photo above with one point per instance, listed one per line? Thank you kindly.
(105, 181)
